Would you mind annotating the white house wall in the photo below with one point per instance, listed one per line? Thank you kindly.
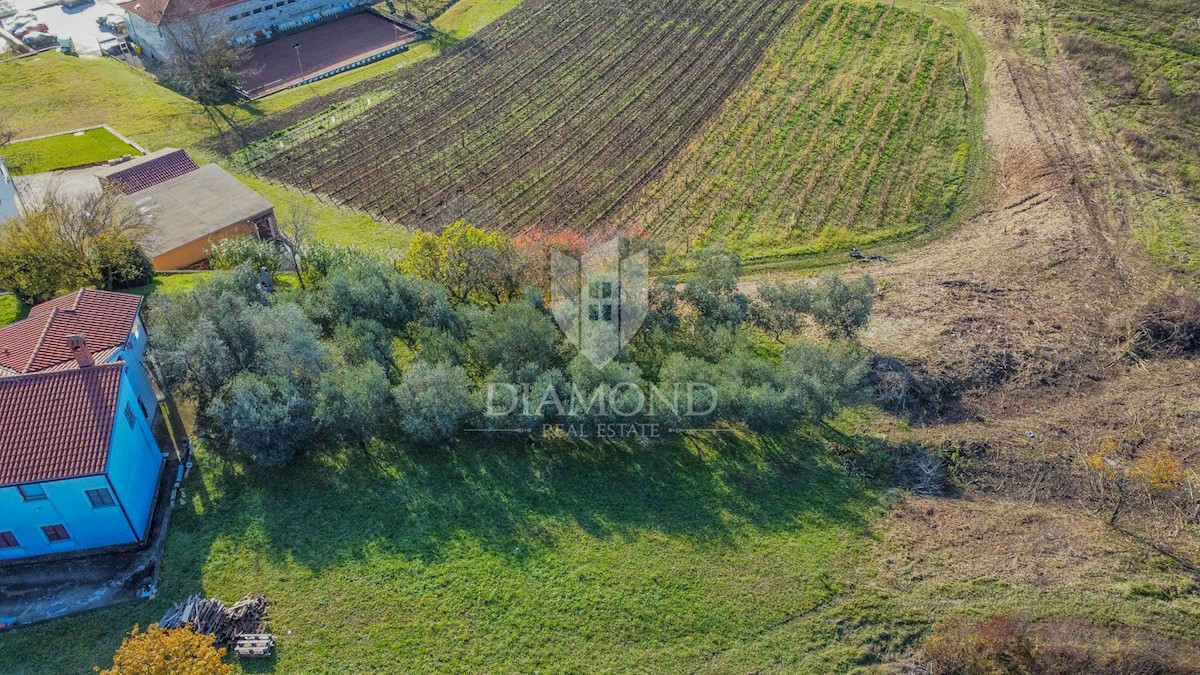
(245, 22)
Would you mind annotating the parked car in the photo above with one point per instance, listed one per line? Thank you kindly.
(30, 28)
(40, 40)
(112, 22)
(19, 20)
(74, 3)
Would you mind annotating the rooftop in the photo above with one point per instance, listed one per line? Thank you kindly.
(39, 342)
(196, 204)
(147, 171)
(159, 12)
(57, 425)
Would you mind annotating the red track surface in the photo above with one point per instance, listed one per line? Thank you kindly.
(273, 65)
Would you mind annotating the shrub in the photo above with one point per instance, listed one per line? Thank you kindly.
(1168, 324)
(235, 252)
(432, 400)
(263, 417)
(842, 308)
(158, 651)
(1005, 645)
(121, 263)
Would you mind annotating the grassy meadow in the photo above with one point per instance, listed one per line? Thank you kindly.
(504, 558)
(93, 146)
(1139, 61)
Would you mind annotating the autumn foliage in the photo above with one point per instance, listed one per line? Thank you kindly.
(158, 651)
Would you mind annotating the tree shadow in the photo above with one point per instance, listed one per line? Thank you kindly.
(513, 500)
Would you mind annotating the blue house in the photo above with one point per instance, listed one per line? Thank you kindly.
(79, 467)
(106, 326)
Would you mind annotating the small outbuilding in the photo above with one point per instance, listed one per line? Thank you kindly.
(190, 207)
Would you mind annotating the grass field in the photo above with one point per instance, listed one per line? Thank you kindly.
(854, 130)
(64, 151)
(500, 559)
(1141, 62)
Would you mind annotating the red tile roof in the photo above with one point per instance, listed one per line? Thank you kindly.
(39, 342)
(155, 168)
(159, 12)
(57, 425)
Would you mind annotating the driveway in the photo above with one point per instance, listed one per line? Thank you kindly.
(77, 23)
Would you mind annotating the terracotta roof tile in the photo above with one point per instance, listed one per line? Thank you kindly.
(57, 425)
(39, 342)
(159, 12)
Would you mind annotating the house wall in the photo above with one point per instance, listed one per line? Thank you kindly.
(66, 504)
(196, 251)
(245, 22)
(134, 356)
(134, 465)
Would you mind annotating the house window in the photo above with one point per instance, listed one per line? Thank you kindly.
(100, 497)
(129, 416)
(258, 10)
(279, 4)
(7, 540)
(32, 492)
(231, 20)
(600, 291)
(55, 533)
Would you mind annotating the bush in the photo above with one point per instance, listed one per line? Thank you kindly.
(1168, 324)
(432, 401)
(842, 308)
(158, 651)
(228, 254)
(121, 263)
(1006, 645)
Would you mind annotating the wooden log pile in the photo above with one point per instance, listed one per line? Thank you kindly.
(212, 616)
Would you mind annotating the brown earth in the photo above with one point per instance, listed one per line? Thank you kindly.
(1023, 305)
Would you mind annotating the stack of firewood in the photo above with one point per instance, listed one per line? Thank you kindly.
(213, 617)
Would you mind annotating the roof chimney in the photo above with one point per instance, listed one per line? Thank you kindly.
(79, 349)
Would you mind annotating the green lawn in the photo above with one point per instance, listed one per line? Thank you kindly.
(334, 225)
(467, 17)
(82, 148)
(489, 558)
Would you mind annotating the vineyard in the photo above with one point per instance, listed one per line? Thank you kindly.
(556, 115)
(853, 130)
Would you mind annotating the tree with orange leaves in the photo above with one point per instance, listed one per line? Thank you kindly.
(159, 651)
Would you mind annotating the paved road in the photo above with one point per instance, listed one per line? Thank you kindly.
(77, 23)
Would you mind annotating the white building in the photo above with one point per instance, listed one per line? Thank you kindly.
(245, 20)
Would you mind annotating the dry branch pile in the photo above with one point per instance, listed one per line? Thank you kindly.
(213, 617)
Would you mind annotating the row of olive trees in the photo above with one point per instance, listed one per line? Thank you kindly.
(368, 352)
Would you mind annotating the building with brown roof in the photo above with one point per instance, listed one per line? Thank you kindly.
(93, 326)
(247, 21)
(79, 467)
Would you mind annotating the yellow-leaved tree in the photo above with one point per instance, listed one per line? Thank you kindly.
(159, 651)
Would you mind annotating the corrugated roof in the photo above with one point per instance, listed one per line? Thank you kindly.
(195, 205)
(57, 425)
(143, 172)
(39, 342)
